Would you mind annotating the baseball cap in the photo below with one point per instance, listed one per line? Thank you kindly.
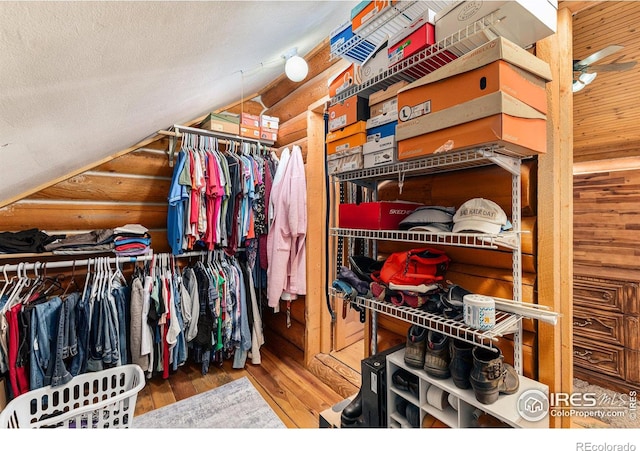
(479, 215)
(430, 219)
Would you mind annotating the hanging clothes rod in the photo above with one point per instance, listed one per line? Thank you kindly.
(201, 132)
(70, 263)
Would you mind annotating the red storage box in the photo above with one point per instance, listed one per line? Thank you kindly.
(375, 215)
(417, 37)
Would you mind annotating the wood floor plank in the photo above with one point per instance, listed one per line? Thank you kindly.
(288, 422)
(161, 392)
(272, 378)
(181, 385)
(316, 395)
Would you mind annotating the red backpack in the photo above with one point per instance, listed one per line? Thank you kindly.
(415, 267)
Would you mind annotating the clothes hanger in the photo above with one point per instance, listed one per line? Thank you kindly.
(14, 295)
(7, 282)
(72, 281)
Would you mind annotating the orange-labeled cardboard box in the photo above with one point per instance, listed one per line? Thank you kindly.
(250, 120)
(498, 65)
(369, 12)
(343, 80)
(349, 111)
(269, 134)
(348, 137)
(249, 132)
(492, 119)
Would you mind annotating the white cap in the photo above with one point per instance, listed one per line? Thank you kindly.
(479, 215)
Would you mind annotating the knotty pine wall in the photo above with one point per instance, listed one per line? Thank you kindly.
(607, 221)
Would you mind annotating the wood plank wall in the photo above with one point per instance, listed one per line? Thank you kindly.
(481, 271)
(607, 220)
(130, 189)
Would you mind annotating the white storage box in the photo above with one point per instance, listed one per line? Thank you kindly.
(374, 158)
(345, 160)
(523, 22)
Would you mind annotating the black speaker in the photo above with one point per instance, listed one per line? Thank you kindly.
(374, 388)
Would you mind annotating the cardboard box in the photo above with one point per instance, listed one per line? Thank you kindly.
(409, 41)
(523, 22)
(270, 122)
(249, 131)
(349, 111)
(366, 13)
(354, 50)
(375, 66)
(343, 80)
(380, 157)
(354, 135)
(381, 119)
(499, 65)
(385, 100)
(346, 160)
(222, 122)
(250, 120)
(374, 215)
(492, 119)
(381, 138)
(268, 134)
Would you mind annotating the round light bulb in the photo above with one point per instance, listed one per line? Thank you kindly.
(296, 68)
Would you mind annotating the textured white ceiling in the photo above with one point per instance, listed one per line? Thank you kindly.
(80, 81)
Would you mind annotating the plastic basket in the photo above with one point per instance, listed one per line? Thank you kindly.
(95, 400)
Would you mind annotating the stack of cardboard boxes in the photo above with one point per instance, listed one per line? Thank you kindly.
(479, 90)
(494, 95)
(263, 127)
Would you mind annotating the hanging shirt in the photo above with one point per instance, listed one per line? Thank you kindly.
(178, 196)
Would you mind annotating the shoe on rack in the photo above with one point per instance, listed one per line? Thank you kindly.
(461, 363)
(416, 345)
(437, 357)
(413, 415)
(490, 376)
(405, 381)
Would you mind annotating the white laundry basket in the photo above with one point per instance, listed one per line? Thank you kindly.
(95, 400)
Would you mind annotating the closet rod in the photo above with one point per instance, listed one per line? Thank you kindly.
(85, 262)
(199, 131)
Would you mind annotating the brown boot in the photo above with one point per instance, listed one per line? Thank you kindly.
(416, 346)
(490, 376)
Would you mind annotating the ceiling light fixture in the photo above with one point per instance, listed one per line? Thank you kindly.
(583, 80)
(295, 67)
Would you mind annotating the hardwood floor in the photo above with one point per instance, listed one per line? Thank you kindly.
(295, 394)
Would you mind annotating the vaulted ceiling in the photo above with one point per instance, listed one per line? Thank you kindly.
(80, 81)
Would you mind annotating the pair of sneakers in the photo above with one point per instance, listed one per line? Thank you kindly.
(429, 350)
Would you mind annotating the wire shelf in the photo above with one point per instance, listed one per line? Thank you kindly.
(423, 62)
(505, 323)
(507, 240)
(376, 32)
(439, 162)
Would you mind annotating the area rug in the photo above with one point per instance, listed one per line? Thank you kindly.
(236, 404)
(625, 418)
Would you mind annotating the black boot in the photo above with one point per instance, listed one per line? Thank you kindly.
(352, 414)
(461, 363)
